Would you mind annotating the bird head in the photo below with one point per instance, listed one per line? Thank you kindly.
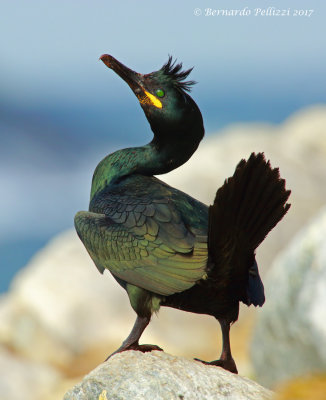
(163, 96)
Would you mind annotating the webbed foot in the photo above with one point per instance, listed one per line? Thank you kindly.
(229, 365)
(144, 348)
(131, 343)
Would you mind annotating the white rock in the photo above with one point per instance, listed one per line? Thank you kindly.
(290, 335)
(160, 376)
(24, 379)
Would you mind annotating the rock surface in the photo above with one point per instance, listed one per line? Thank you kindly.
(290, 335)
(160, 376)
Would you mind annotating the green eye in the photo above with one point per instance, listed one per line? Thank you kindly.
(160, 93)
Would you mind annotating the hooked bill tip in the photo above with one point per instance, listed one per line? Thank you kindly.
(106, 58)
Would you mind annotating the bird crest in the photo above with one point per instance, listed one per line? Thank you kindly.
(173, 71)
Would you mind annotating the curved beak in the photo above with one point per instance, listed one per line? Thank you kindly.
(132, 78)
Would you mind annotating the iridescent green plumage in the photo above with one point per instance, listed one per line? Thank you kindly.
(144, 232)
(162, 246)
(137, 231)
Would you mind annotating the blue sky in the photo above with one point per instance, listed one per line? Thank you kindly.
(50, 55)
(62, 110)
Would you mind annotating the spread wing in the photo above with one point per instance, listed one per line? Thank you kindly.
(144, 242)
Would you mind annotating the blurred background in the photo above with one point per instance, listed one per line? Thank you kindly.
(261, 82)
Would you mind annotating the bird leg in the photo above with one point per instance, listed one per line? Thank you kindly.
(226, 361)
(131, 343)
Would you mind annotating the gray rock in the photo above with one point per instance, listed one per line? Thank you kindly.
(159, 376)
(290, 335)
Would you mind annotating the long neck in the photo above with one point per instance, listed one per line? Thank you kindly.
(152, 159)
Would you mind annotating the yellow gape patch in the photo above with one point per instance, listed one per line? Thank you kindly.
(148, 98)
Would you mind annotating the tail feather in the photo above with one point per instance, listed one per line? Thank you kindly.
(255, 288)
(246, 208)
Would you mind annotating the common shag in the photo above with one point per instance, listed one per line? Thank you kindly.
(164, 247)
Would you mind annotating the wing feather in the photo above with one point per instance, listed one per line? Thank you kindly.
(144, 243)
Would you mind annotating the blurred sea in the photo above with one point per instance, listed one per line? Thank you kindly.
(14, 255)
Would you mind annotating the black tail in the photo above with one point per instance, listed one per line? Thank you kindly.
(245, 209)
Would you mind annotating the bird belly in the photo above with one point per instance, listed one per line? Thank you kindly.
(204, 298)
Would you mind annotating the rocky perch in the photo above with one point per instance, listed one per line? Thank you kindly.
(157, 375)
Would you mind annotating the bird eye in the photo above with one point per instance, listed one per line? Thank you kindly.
(160, 93)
